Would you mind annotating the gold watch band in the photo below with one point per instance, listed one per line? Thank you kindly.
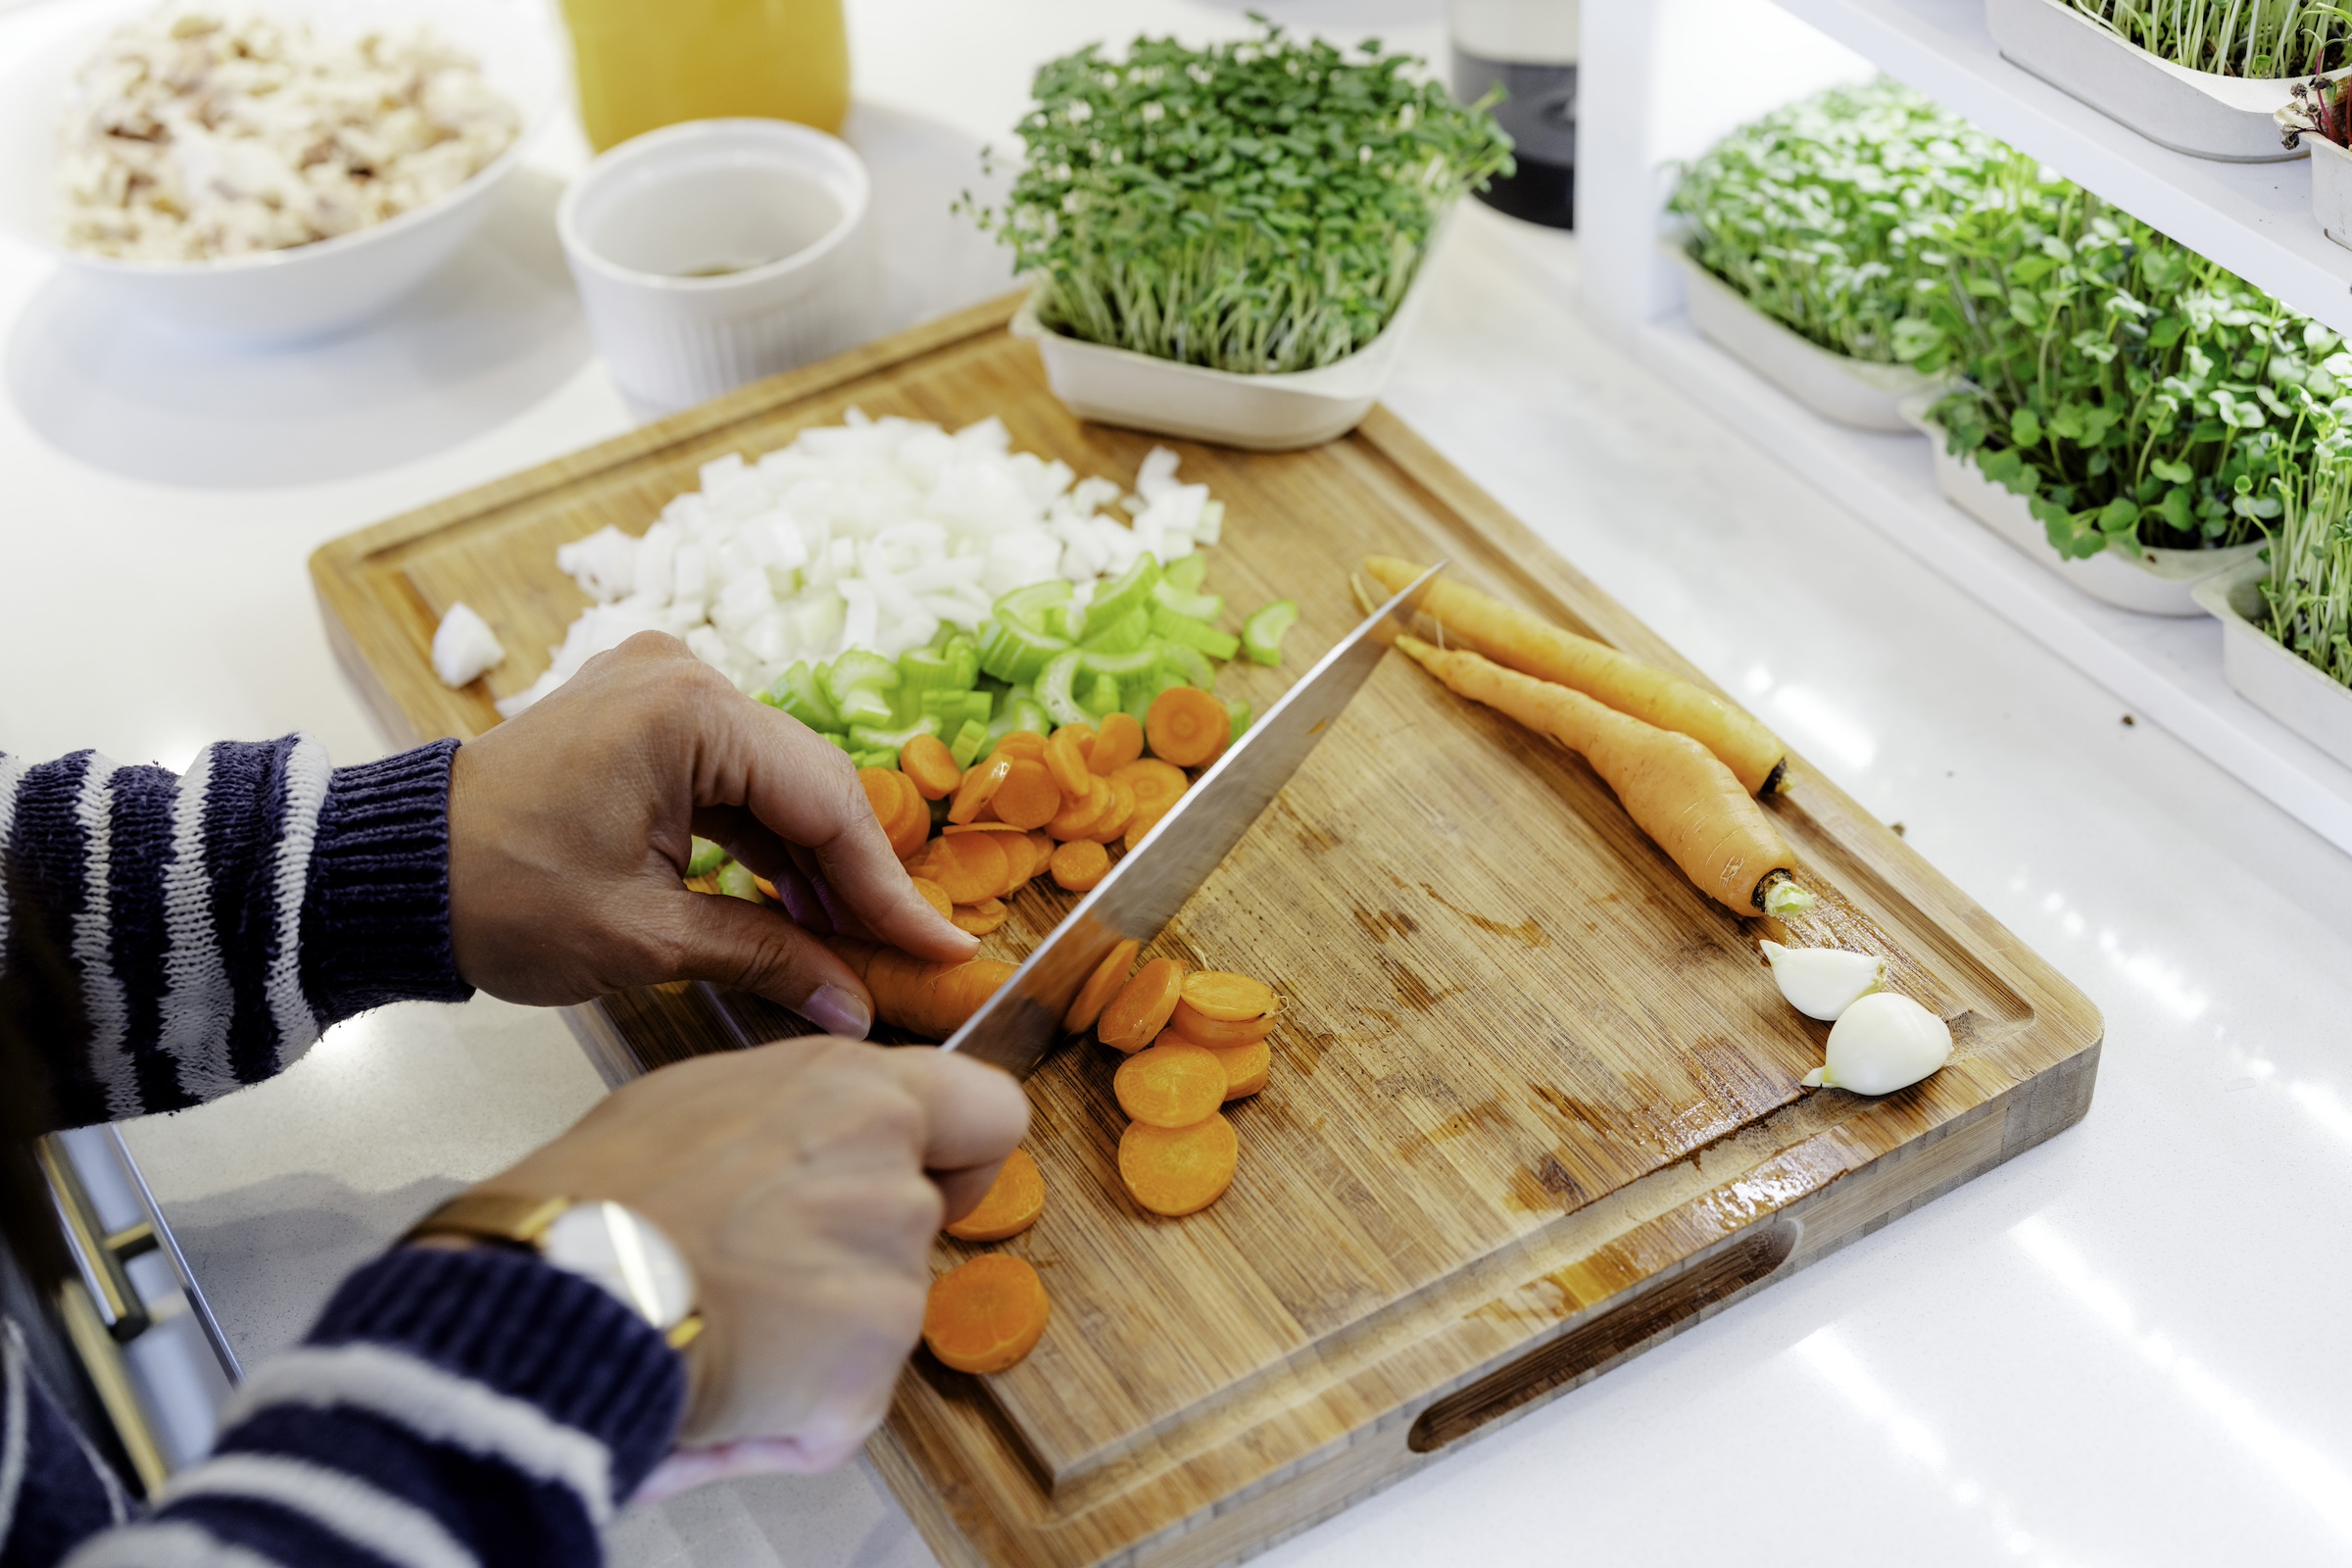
(511, 1220)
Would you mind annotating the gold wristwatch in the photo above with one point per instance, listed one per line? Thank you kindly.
(605, 1242)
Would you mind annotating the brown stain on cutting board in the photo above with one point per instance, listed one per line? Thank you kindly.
(1488, 1115)
(1411, 990)
(1527, 931)
(1211, 1384)
(1382, 924)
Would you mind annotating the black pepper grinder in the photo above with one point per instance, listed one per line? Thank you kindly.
(1528, 48)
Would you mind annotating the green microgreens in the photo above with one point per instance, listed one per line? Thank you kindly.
(2134, 392)
(1815, 212)
(2255, 38)
(2308, 592)
(1257, 206)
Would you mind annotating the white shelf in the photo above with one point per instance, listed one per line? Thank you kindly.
(2254, 219)
(2165, 671)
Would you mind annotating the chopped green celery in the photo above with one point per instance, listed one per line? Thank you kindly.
(1123, 635)
(1064, 621)
(1017, 653)
(929, 670)
(876, 757)
(1194, 634)
(840, 740)
(1188, 573)
(1054, 692)
(1192, 606)
(967, 741)
(1262, 632)
(735, 881)
(1029, 716)
(1028, 605)
(705, 858)
(952, 708)
(861, 686)
(1187, 663)
(963, 655)
(1123, 595)
(864, 737)
(1004, 719)
(1240, 710)
(801, 692)
(1102, 697)
(1127, 664)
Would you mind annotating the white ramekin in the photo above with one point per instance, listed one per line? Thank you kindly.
(782, 202)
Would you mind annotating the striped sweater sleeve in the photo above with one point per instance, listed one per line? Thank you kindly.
(472, 1409)
(171, 938)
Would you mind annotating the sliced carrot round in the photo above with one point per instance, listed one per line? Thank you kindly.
(1042, 848)
(1178, 1170)
(979, 783)
(1143, 1006)
(1155, 783)
(1020, 743)
(881, 785)
(970, 866)
(927, 761)
(954, 828)
(1171, 1085)
(936, 896)
(1215, 1033)
(1141, 825)
(1187, 726)
(1077, 818)
(1101, 987)
(985, 1315)
(913, 825)
(1227, 998)
(1065, 754)
(1245, 1068)
(1120, 743)
(1080, 863)
(1028, 798)
(981, 918)
(1122, 812)
(1010, 1205)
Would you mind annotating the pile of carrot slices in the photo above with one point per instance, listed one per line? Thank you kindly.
(1194, 1041)
(1056, 806)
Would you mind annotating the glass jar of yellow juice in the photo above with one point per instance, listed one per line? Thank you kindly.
(645, 64)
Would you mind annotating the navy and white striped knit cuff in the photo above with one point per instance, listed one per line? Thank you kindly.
(480, 1402)
(376, 920)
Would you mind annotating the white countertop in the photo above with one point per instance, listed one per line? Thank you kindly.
(2123, 1348)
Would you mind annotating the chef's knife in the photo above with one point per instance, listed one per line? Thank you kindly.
(1018, 1027)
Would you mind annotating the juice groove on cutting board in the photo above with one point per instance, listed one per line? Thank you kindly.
(1533, 1103)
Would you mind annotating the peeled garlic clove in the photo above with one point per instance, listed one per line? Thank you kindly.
(1823, 982)
(1882, 1043)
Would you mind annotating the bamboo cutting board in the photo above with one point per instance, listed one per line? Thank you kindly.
(1534, 1104)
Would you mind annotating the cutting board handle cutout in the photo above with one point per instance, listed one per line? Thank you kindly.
(1613, 1334)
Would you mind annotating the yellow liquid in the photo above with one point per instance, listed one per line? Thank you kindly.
(645, 64)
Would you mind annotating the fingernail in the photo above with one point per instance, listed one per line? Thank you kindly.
(837, 1013)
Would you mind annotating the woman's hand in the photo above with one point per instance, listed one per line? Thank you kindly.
(804, 1181)
(568, 837)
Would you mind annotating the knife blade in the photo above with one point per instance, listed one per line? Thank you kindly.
(1019, 1026)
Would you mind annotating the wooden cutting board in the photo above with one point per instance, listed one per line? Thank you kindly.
(1534, 1104)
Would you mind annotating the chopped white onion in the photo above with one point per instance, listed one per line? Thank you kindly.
(465, 645)
(866, 534)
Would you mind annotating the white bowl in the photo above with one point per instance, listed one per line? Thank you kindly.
(2275, 680)
(1275, 413)
(2200, 113)
(1836, 386)
(309, 289)
(780, 207)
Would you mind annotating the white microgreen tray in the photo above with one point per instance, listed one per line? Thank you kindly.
(2277, 681)
(2199, 113)
(1836, 386)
